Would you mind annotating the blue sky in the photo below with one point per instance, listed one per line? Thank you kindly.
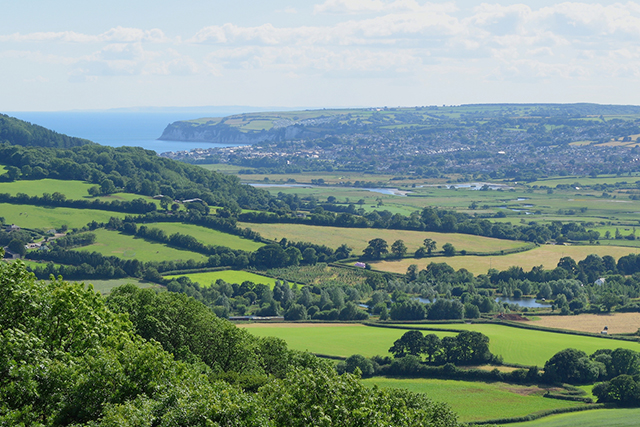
(94, 54)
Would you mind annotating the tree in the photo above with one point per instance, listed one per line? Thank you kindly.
(309, 256)
(269, 256)
(165, 202)
(571, 366)
(448, 249)
(411, 342)
(398, 248)
(17, 247)
(376, 249)
(430, 245)
(432, 345)
(295, 312)
(107, 187)
(293, 255)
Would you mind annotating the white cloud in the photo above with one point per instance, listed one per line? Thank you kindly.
(114, 35)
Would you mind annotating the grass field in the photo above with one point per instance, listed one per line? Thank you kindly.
(105, 286)
(546, 255)
(595, 418)
(71, 189)
(490, 400)
(618, 323)
(112, 243)
(336, 340)
(531, 347)
(515, 345)
(208, 236)
(229, 276)
(358, 238)
(28, 216)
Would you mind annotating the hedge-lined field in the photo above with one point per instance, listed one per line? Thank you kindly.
(531, 347)
(478, 401)
(358, 238)
(207, 235)
(546, 255)
(595, 418)
(229, 276)
(515, 345)
(333, 339)
(112, 243)
(29, 216)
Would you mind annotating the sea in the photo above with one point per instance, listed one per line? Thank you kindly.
(117, 129)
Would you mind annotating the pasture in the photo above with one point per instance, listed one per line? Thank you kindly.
(545, 255)
(595, 418)
(332, 339)
(112, 243)
(515, 345)
(230, 276)
(358, 238)
(71, 189)
(39, 217)
(490, 400)
(105, 286)
(208, 236)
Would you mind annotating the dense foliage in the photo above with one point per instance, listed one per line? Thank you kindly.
(67, 359)
(19, 132)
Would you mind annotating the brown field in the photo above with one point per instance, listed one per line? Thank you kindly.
(358, 238)
(618, 323)
(547, 256)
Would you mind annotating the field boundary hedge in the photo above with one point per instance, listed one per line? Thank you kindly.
(541, 414)
(197, 270)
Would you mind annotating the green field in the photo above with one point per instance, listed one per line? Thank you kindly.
(105, 286)
(546, 255)
(28, 216)
(208, 236)
(490, 400)
(112, 243)
(595, 418)
(515, 345)
(333, 339)
(358, 238)
(229, 276)
(532, 347)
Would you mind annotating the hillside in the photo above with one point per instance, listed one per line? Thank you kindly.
(19, 132)
(310, 124)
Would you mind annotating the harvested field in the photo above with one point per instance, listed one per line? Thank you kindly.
(618, 323)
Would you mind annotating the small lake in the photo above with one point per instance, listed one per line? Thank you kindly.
(522, 302)
(388, 191)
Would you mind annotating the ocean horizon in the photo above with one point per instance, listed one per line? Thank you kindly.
(118, 129)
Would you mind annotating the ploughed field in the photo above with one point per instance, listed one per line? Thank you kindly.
(617, 323)
(515, 345)
(358, 238)
(546, 255)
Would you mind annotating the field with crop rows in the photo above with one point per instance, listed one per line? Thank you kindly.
(595, 418)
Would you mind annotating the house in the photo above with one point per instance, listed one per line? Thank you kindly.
(12, 227)
(600, 281)
(360, 264)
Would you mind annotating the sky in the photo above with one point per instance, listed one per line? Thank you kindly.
(92, 54)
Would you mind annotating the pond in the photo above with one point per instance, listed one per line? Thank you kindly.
(522, 302)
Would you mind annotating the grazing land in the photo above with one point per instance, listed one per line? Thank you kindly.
(595, 418)
(545, 255)
(489, 400)
(229, 276)
(515, 345)
(339, 340)
(105, 286)
(618, 323)
(112, 243)
(28, 216)
(71, 189)
(208, 236)
(531, 347)
(358, 238)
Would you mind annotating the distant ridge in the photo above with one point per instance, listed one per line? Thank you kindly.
(275, 126)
